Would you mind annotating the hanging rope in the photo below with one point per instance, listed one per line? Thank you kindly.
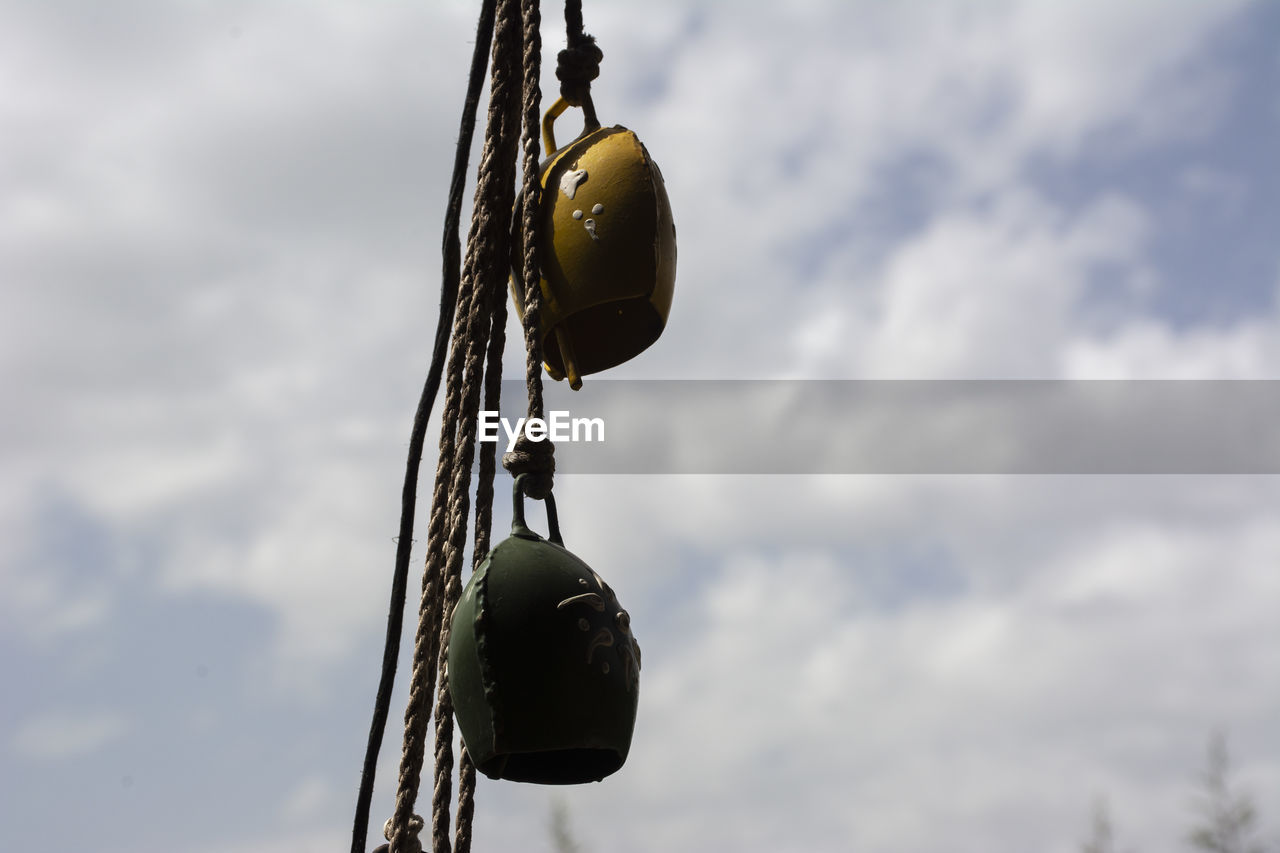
(579, 63)
(533, 458)
(480, 548)
(450, 279)
(475, 299)
(483, 282)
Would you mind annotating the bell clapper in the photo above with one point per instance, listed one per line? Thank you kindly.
(566, 355)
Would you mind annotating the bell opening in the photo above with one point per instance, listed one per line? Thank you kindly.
(606, 335)
(554, 767)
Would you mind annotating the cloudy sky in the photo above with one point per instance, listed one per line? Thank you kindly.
(219, 232)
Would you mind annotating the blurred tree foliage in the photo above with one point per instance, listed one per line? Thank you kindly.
(562, 840)
(1102, 838)
(1228, 819)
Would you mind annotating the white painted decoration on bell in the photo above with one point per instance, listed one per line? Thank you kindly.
(570, 182)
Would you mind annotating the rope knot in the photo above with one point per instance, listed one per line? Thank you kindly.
(537, 460)
(576, 66)
(412, 844)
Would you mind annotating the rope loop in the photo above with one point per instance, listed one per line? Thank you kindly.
(537, 461)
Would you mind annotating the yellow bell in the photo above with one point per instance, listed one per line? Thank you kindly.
(607, 247)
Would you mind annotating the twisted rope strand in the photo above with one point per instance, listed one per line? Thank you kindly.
(466, 802)
(457, 442)
(531, 201)
(493, 279)
(459, 507)
(490, 240)
(479, 315)
(492, 399)
(480, 548)
(535, 458)
(450, 282)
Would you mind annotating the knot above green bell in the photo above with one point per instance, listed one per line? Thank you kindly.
(607, 246)
(543, 669)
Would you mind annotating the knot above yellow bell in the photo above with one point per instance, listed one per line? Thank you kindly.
(607, 249)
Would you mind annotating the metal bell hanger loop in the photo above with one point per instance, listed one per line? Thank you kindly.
(520, 528)
(589, 121)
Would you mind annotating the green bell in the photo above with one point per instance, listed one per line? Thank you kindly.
(543, 669)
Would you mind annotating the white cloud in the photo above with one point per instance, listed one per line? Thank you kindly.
(221, 224)
(312, 798)
(782, 680)
(310, 841)
(1152, 349)
(991, 294)
(856, 116)
(45, 608)
(58, 735)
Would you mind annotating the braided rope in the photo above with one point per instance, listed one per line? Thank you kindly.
(534, 458)
(450, 282)
(466, 802)
(492, 398)
(495, 337)
(478, 337)
(479, 548)
(484, 274)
